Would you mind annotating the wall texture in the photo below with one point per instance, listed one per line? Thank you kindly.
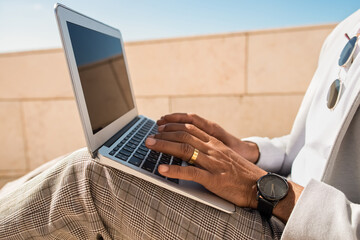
(251, 83)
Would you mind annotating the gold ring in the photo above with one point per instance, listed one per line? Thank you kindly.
(194, 157)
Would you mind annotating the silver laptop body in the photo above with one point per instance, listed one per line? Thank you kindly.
(114, 131)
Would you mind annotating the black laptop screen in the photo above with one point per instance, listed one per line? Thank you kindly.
(100, 62)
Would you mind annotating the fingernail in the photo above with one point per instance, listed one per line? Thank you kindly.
(161, 128)
(163, 168)
(150, 141)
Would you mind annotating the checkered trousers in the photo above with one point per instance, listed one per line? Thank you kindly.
(77, 198)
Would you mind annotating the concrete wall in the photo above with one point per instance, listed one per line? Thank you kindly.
(252, 83)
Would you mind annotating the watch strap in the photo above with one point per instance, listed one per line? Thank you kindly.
(265, 207)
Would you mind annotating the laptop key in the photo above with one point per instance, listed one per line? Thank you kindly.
(166, 156)
(150, 159)
(139, 151)
(116, 148)
(148, 166)
(174, 180)
(139, 156)
(176, 161)
(154, 153)
(136, 138)
(129, 149)
(135, 161)
(121, 157)
(145, 149)
(112, 152)
(164, 160)
(125, 152)
(131, 145)
(134, 142)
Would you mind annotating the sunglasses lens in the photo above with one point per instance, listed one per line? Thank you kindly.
(334, 94)
(347, 51)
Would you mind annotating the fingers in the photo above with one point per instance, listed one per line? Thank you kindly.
(189, 128)
(194, 119)
(181, 118)
(180, 150)
(186, 173)
(181, 137)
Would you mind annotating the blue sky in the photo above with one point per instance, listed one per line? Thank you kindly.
(29, 25)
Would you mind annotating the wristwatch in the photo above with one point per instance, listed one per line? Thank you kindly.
(271, 189)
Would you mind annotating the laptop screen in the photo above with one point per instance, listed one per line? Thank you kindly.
(102, 70)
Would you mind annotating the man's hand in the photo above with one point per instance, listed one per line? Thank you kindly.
(185, 121)
(218, 167)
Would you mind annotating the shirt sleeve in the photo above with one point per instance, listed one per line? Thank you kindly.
(323, 212)
(272, 152)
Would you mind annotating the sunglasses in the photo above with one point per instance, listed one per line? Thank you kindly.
(346, 57)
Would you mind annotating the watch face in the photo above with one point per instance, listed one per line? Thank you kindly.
(272, 187)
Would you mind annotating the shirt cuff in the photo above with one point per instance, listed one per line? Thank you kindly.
(271, 155)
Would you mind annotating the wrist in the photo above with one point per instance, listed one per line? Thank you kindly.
(276, 196)
(285, 206)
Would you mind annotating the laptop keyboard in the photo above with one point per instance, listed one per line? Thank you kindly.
(132, 149)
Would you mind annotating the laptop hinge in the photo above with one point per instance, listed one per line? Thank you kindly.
(94, 154)
(113, 139)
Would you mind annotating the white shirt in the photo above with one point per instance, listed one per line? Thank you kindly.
(305, 151)
(322, 151)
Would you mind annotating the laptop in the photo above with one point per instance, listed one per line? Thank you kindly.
(115, 133)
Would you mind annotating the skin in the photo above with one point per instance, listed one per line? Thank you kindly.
(225, 164)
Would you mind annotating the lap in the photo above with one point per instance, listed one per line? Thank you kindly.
(78, 197)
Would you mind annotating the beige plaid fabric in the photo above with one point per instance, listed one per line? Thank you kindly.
(77, 198)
